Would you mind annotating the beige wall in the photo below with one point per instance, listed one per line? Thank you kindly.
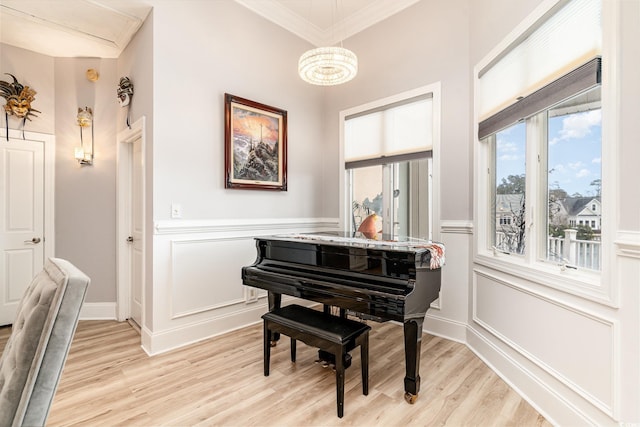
(85, 195)
(36, 71)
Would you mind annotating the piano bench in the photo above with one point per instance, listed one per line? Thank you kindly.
(333, 334)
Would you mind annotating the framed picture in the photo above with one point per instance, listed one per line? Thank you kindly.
(255, 150)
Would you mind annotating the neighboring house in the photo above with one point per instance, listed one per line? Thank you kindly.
(582, 211)
(571, 211)
(508, 211)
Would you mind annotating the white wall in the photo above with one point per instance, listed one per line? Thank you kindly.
(200, 51)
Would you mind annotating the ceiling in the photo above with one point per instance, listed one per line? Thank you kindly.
(103, 28)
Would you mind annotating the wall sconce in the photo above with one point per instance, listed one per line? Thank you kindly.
(84, 153)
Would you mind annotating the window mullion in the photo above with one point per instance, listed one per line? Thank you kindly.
(532, 187)
(387, 199)
(489, 184)
(542, 196)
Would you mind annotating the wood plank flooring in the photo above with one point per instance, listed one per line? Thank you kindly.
(109, 381)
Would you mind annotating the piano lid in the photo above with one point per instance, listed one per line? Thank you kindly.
(343, 239)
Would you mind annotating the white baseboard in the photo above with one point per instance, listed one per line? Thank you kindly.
(444, 328)
(167, 340)
(98, 311)
(558, 405)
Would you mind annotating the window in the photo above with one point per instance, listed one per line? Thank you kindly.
(542, 142)
(574, 156)
(389, 164)
(392, 191)
(572, 173)
(509, 187)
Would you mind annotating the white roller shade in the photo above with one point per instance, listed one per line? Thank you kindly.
(399, 129)
(561, 42)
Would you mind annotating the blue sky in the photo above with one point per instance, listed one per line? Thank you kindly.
(574, 152)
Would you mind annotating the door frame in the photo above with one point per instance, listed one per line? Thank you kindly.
(49, 141)
(123, 228)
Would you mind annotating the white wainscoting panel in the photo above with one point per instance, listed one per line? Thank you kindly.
(205, 273)
(574, 346)
(448, 315)
(197, 287)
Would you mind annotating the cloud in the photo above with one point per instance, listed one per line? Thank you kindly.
(575, 165)
(582, 173)
(508, 157)
(597, 160)
(578, 125)
(559, 168)
(506, 146)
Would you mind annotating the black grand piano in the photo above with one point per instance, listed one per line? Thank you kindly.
(377, 279)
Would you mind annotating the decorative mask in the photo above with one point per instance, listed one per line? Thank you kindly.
(125, 91)
(19, 99)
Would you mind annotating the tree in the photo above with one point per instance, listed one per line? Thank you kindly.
(514, 233)
(513, 184)
(584, 232)
(557, 230)
(597, 184)
(556, 196)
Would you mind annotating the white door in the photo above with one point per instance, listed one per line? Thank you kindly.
(21, 220)
(137, 223)
(131, 246)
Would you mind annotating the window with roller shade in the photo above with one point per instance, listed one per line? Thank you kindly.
(539, 127)
(388, 161)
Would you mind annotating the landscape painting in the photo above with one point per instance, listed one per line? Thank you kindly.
(255, 145)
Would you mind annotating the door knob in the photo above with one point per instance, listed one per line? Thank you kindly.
(33, 241)
(130, 239)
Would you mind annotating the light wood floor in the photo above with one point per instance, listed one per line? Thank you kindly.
(108, 380)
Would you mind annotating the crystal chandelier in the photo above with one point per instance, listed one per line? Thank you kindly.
(326, 66)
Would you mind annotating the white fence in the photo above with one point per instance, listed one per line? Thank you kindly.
(579, 253)
(567, 249)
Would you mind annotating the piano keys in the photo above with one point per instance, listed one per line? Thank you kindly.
(376, 279)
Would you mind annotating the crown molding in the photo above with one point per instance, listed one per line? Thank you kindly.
(373, 13)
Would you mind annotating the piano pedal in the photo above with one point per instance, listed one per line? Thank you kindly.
(323, 363)
(327, 359)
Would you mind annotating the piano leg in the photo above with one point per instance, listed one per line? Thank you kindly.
(412, 344)
(275, 301)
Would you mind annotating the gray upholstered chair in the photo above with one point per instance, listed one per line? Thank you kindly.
(34, 356)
